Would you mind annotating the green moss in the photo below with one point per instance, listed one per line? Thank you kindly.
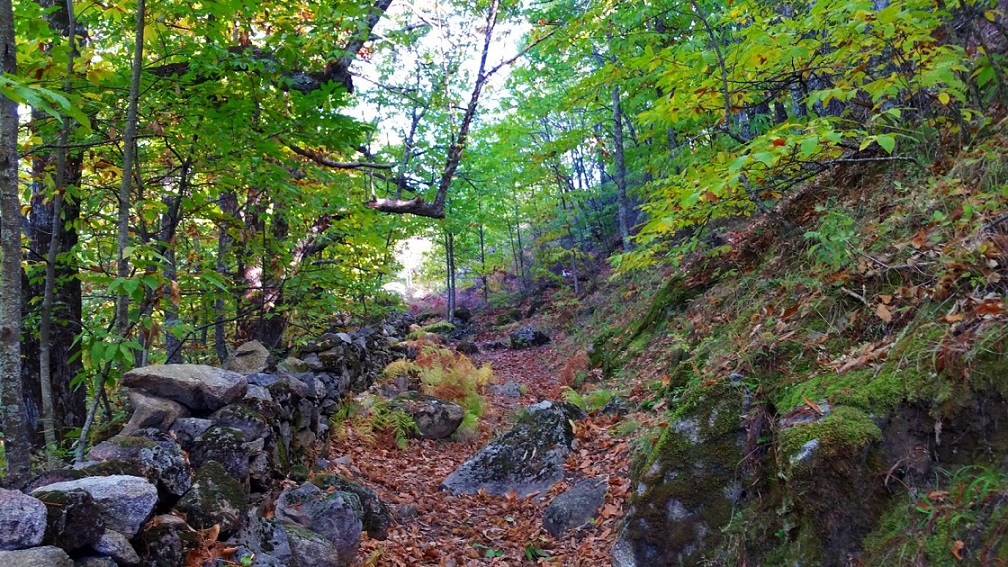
(692, 471)
(843, 432)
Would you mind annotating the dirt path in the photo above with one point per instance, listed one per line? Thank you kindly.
(436, 528)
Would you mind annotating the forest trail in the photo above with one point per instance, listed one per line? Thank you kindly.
(435, 528)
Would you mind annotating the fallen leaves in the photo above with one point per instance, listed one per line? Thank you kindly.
(481, 529)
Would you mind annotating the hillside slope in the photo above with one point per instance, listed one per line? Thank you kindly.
(830, 382)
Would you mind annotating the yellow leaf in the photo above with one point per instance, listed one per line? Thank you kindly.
(944, 98)
(990, 15)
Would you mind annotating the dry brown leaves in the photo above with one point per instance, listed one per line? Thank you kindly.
(479, 529)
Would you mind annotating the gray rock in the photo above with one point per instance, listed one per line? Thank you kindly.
(157, 452)
(116, 546)
(337, 516)
(215, 498)
(196, 386)
(435, 419)
(509, 389)
(528, 337)
(576, 507)
(267, 539)
(264, 379)
(125, 501)
(224, 445)
(151, 411)
(47, 556)
(161, 544)
(187, 429)
(529, 458)
(310, 548)
(22, 520)
(292, 364)
(617, 405)
(74, 519)
(376, 519)
(249, 358)
(242, 418)
(691, 481)
(95, 561)
(258, 393)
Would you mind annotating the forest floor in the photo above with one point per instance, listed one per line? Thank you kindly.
(451, 530)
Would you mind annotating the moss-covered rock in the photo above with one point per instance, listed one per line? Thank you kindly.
(832, 492)
(215, 498)
(529, 458)
(689, 485)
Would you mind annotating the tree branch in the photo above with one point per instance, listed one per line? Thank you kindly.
(328, 162)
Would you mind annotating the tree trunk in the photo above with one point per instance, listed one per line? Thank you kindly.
(129, 156)
(228, 206)
(16, 441)
(619, 175)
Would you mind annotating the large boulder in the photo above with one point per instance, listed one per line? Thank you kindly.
(48, 556)
(73, 519)
(337, 516)
(125, 502)
(215, 498)
(196, 386)
(151, 411)
(529, 458)
(693, 479)
(376, 518)
(249, 358)
(155, 453)
(576, 507)
(22, 520)
(830, 456)
(528, 337)
(435, 419)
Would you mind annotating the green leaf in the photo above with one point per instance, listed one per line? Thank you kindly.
(766, 158)
(809, 146)
(887, 142)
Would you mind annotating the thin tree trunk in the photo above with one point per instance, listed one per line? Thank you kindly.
(129, 156)
(45, 322)
(16, 441)
(122, 240)
(486, 292)
(619, 175)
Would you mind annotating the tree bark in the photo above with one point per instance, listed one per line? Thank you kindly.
(16, 441)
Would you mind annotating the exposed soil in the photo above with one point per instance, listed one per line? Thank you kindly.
(481, 530)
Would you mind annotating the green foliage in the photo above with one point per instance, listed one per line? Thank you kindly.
(836, 240)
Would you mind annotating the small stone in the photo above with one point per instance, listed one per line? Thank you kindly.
(116, 546)
(151, 411)
(434, 418)
(528, 337)
(576, 507)
(249, 358)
